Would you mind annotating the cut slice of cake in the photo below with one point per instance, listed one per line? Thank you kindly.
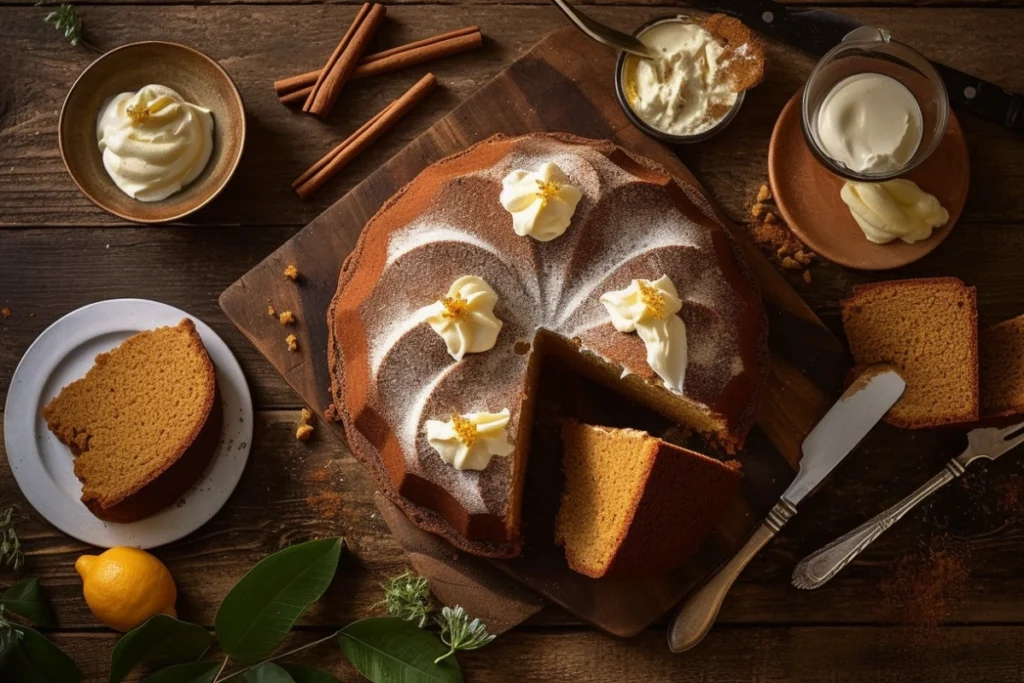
(928, 330)
(1002, 368)
(634, 505)
(142, 424)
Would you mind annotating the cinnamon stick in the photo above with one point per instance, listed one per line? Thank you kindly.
(410, 54)
(344, 59)
(339, 157)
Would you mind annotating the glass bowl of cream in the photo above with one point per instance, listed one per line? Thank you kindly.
(681, 98)
(873, 108)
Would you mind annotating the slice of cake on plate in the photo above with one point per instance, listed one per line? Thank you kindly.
(634, 505)
(142, 424)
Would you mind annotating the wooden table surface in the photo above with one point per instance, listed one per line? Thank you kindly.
(59, 252)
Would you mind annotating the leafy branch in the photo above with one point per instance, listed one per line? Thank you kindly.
(65, 19)
(11, 555)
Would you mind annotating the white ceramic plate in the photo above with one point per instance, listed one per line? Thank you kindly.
(43, 466)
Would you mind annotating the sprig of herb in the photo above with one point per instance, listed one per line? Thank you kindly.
(459, 633)
(407, 596)
(8, 633)
(11, 555)
(66, 20)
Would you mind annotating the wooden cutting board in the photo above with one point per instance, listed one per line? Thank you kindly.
(563, 84)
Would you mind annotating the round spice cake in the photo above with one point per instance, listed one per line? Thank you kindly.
(508, 251)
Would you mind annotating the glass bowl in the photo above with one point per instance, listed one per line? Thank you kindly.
(871, 50)
(620, 92)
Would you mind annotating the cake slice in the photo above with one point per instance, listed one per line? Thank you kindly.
(1002, 368)
(928, 330)
(142, 424)
(634, 505)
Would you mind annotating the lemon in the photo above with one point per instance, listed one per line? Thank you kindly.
(126, 586)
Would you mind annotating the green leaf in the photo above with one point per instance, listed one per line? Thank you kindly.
(36, 660)
(268, 673)
(27, 599)
(307, 674)
(196, 672)
(161, 641)
(261, 609)
(390, 650)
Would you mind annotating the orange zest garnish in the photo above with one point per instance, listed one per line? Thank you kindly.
(546, 190)
(138, 114)
(465, 430)
(652, 299)
(455, 307)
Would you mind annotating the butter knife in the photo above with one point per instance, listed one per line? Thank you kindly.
(819, 567)
(843, 427)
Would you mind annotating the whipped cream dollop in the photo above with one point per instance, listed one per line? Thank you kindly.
(651, 309)
(894, 209)
(541, 203)
(465, 317)
(871, 123)
(686, 91)
(469, 441)
(154, 143)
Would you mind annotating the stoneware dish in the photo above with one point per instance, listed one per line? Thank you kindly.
(807, 195)
(199, 80)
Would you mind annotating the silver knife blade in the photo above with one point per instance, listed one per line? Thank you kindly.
(844, 426)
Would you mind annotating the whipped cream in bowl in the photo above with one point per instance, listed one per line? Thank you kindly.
(152, 131)
(873, 108)
(697, 85)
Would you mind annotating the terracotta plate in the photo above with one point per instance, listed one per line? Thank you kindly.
(197, 78)
(807, 195)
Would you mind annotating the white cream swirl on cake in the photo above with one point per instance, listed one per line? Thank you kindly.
(392, 373)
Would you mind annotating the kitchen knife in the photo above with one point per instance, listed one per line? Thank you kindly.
(818, 31)
(846, 423)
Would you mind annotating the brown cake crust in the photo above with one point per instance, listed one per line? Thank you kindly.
(373, 440)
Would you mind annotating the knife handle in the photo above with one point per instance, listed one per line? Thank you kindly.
(819, 567)
(700, 608)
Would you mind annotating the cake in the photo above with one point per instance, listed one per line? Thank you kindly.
(142, 424)
(602, 229)
(1002, 368)
(634, 505)
(928, 330)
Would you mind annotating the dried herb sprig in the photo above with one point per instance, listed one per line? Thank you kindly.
(11, 555)
(8, 633)
(66, 20)
(459, 633)
(407, 596)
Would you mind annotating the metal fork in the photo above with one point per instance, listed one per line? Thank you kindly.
(817, 568)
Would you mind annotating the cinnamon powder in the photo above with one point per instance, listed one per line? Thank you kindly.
(326, 505)
(923, 590)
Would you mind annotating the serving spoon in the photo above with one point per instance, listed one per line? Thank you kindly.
(605, 35)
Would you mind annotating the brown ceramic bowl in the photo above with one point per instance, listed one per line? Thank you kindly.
(198, 79)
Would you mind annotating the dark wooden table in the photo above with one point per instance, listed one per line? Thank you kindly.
(59, 252)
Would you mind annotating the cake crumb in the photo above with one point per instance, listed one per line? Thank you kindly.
(5, 312)
(306, 416)
(790, 263)
(270, 310)
(291, 272)
(774, 237)
(770, 217)
(303, 432)
(286, 318)
(756, 210)
(292, 342)
(803, 257)
(764, 194)
(807, 276)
